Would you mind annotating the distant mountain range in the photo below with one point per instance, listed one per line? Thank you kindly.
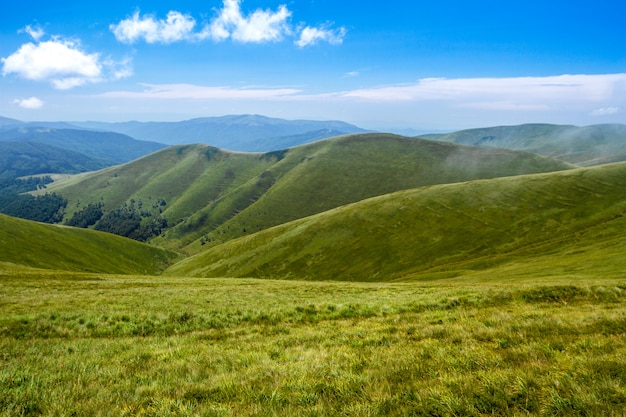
(248, 133)
(104, 144)
(29, 149)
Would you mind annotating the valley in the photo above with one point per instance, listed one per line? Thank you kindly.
(362, 274)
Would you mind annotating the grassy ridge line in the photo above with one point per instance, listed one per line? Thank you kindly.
(37, 245)
(449, 229)
(214, 196)
(334, 172)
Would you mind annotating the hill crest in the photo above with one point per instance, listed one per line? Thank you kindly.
(209, 196)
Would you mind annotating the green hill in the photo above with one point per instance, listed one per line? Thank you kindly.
(584, 146)
(569, 223)
(210, 196)
(25, 243)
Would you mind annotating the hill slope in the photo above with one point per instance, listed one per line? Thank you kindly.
(209, 196)
(248, 133)
(36, 245)
(546, 220)
(584, 146)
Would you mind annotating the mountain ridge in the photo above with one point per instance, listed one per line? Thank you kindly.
(208, 195)
(107, 147)
(232, 132)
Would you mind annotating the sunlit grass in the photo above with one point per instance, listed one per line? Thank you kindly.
(76, 344)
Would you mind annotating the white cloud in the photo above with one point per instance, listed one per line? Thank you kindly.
(62, 63)
(606, 111)
(260, 26)
(36, 33)
(189, 91)
(312, 35)
(231, 22)
(175, 27)
(503, 93)
(32, 103)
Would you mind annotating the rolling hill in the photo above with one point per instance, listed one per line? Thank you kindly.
(247, 133)
(210, 196)
(583, 146)
(570, 223)
(27, 244)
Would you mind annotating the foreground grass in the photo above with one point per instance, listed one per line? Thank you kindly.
(79, 344)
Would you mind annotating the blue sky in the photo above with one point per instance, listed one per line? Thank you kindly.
(429, 66)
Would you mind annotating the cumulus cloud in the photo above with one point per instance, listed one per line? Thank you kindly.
(230, 22)
(175, 27)
(32, 103)
(260, 26)
(62, 63)
(312, 35)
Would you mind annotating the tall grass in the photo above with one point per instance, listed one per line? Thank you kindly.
(100, 345)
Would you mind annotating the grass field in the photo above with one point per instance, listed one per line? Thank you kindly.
(104, 345)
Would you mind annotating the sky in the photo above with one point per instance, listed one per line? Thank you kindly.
(429, 66)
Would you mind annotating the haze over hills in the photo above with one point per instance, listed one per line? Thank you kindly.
(584, 146)
(108, 148)
(19, 159)
(209, 196)
(248, 133)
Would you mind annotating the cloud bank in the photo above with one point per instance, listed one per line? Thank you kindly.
(521, 93)
(515, 94)
(61, 62)
(432, 102)
(230, 22)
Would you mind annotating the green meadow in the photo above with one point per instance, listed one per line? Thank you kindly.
(287, 285)
(106, 345)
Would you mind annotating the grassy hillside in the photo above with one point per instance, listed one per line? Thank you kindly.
(210, 196)
(29, 244)
(584, 146)
(559, 224)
